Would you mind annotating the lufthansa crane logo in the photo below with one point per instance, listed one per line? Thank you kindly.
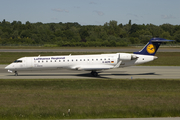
(150, 48)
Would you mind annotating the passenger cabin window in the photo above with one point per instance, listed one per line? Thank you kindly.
(18, 61)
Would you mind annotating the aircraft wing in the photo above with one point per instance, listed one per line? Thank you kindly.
(91, 67)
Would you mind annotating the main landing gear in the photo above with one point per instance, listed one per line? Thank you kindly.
(16, 73)
(94, 73)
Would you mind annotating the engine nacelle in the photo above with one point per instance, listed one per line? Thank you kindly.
(125, 56)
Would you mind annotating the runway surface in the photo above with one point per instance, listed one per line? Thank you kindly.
(134, 72)
(89, 50)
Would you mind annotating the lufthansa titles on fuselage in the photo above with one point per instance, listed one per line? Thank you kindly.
(49, 58)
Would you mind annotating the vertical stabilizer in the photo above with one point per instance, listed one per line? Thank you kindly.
(152, 46)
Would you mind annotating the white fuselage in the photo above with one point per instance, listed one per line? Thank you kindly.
(79, 62)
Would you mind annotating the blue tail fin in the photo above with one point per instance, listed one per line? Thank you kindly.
(152, 46)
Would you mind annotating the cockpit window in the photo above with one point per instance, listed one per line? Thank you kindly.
(17, 61)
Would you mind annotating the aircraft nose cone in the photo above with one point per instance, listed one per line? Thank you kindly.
(8, 67)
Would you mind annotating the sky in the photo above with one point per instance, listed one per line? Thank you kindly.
(91, 12)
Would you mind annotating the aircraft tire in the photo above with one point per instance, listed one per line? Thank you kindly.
(94, 73)
(16, 73)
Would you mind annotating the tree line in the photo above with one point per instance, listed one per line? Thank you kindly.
(110, 34)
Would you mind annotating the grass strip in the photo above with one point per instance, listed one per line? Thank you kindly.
(89, 98)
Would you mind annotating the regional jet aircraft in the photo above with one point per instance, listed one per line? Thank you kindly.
(91, 63)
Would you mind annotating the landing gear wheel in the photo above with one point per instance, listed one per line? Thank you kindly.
(16, 73)
(94, 73)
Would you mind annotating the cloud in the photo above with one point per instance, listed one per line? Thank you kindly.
(100, 13)
(167, 17)
(60, 10)
(134, 15)
(54, 18)
(57, 10)
(92, 3)
(77, 7)
(66, 10)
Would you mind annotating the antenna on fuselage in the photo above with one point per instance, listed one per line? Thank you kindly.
(39, 56)
(69, 54)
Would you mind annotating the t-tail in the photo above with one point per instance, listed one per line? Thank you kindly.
(152, 46)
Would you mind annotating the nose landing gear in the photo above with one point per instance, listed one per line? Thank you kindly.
(16, 73)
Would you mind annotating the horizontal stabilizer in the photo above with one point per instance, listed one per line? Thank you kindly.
(164, 40)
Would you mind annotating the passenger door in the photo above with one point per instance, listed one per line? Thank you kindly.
(29, 62)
